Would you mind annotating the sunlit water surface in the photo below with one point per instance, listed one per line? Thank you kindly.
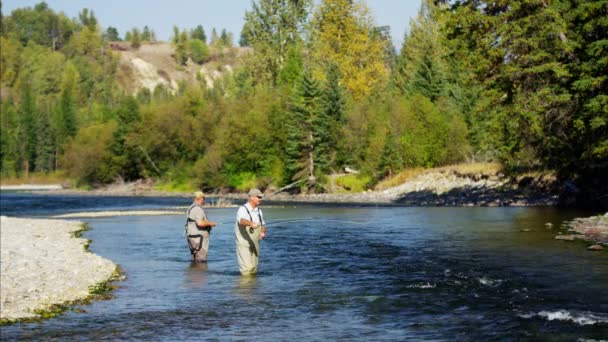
(339, 273)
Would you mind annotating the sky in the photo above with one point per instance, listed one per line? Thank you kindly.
(162, 15)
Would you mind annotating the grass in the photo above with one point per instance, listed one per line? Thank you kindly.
(57, 177)
(353, 183)
(399, 178)
(78, 234)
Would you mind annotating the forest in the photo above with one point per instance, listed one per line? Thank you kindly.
(522, 83)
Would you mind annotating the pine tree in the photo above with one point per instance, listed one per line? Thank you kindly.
(45, 144)
(65, 118)
(334, 108)
(9, 146)
(26, 133)
(146, 36)
(302, 132)
(420, 66)
(199, 33)
(391, 160)
(135, 38)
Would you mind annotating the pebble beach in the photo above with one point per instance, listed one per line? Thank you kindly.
(43, 264)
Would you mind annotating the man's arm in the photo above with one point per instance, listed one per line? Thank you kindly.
(205, 224)
(244, 222)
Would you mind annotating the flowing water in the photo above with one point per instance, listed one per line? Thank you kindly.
(337, 273)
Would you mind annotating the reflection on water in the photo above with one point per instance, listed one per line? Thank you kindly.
(196, 275)
(247, 286)
(408, 274)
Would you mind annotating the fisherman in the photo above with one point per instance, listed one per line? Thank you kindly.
(198, 228)
(249, 229)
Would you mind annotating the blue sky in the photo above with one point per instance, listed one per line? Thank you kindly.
(162, 15)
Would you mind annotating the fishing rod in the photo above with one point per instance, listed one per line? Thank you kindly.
(301, 220)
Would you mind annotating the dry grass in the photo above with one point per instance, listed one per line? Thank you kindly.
(469, 168)
(399, 178)
(35, 178)
(472, 168)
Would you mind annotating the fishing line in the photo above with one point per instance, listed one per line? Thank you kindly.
(301, 220)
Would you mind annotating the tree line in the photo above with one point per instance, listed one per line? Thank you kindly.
(520, 82)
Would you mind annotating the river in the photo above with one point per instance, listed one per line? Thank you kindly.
(336, 273)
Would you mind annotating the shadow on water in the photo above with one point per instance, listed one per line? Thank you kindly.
(408, 274)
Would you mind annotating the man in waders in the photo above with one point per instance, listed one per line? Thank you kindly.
(249, 229)
(198, 229)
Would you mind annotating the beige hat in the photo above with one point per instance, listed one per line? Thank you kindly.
(255, 192)
(199, 194)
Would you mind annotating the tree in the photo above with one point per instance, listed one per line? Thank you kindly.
(307, 133)
(45, 143)
(271, 28)
(334, 108)
(199, 52)
(146, 35)
(199, 33)
(421, 68)
(343, 34)
(226, 38)
(135, 38)
(26, 133)
(88, 19)
(111, 34)
(40, 25)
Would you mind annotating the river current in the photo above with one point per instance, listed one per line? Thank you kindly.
(335, 273)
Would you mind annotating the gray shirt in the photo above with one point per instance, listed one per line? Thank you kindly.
(195, 213)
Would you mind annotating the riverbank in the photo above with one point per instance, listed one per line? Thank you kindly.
(435, 187)
(44, 263)
(592, 229)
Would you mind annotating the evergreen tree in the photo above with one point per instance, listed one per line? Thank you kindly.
(334, 109)
(199, 33)
(135, 38)
(111, 34)
(420, 67)
(45, 144)
(9, 147)
(390, 161)
(226, 38)
(26, 133)
(306, 144)
(146, 35)
(125, 158)
(88, 19)
(294, 66)
(65, 118)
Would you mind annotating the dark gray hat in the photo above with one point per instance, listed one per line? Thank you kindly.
(255, 192)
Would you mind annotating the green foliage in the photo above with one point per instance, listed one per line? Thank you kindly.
(111, 34)
(354, 183)
(271, 28)
(199, 33)
(307, 131)
(39, 25)
(199, 52)
(87, 157)
(135, 38)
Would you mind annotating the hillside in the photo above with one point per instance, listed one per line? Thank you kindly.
(153, 64)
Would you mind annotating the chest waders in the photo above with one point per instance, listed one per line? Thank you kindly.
(251, 218)
(197, 247)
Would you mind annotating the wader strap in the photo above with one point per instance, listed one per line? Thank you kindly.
(251, 217)
(195, 249)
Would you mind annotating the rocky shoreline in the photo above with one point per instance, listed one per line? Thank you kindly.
(431, 188)
(592, 229)
(43, 264)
